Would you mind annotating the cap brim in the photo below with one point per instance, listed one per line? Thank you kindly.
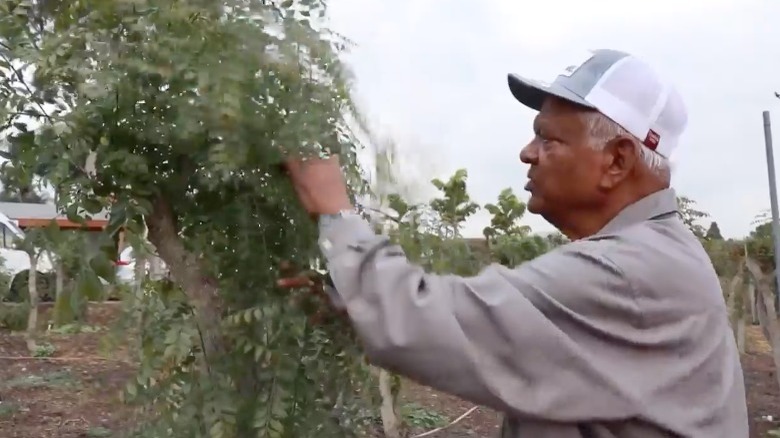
(532, 93)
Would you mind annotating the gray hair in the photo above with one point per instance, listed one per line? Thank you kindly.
(603, 129)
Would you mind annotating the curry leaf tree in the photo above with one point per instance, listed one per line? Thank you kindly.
(185, 108)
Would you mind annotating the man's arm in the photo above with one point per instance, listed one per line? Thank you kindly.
(497, 339)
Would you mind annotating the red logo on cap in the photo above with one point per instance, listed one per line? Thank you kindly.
(652, 140)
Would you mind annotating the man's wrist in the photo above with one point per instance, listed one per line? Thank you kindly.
(325, 220)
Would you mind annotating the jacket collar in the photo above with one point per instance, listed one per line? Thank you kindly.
(651, 206)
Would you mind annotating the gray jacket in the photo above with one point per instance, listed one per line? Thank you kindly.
(620, 335)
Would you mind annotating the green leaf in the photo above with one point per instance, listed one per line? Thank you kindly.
(131, 389)
(73, 216)
(102, 266)
(89, 285)
(92, 206)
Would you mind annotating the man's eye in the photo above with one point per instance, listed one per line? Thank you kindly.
(545, 140)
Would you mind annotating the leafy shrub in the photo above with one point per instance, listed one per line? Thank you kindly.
(13, 316)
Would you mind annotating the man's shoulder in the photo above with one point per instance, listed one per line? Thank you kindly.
(661, 262)
(643, 263)
(661, 259)
(647, 248)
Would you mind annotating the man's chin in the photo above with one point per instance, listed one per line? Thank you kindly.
(534, 205)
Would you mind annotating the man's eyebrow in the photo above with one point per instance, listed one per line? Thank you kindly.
(537, 124)
(541, 123)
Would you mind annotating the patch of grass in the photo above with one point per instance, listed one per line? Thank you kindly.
(59, 379)
(98, 432)
(44, 350)
(7, 409)
(71, 329)
(418, 416)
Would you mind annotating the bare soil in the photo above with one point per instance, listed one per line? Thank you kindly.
(75, 392)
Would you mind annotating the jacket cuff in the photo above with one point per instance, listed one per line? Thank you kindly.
(339, 233)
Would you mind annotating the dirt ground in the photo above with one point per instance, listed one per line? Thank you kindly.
(74, 393)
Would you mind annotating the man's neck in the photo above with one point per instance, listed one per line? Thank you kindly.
(583, 224)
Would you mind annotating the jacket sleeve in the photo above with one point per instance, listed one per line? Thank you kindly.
(498, 339)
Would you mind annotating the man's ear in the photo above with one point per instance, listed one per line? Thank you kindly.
(621, 158)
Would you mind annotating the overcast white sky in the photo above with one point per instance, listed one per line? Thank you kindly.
(432, 73)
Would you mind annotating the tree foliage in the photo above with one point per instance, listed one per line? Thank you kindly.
(506, 213)
(713, 232)
(691, 216)
(455, 205)
(173, 115)
(759, 244)
(25, 193)
(186, 108)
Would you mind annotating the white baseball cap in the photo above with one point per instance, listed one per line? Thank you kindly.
(623, 88)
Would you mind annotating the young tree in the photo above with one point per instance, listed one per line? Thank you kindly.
(691, 215)
(75, 282)
(510, 242)
(713, 232)
(34, 245)
(507, 213)
(455, 205)
(185, 108)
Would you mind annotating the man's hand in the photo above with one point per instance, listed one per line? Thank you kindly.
(319, 184)
(314, 301)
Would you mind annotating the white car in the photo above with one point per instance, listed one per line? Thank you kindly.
(16, 263)
(155, 268)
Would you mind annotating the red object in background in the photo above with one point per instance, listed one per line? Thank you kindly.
(121, 263)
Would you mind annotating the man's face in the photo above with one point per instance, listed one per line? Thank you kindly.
(565, 169)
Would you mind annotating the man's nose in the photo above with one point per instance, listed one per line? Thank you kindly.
(529, 154)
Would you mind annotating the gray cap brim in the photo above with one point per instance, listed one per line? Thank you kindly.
(532, 93)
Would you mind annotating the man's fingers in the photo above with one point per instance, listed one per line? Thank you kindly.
(314, 282)
(311, 279)
(294, 282)
(295, 166)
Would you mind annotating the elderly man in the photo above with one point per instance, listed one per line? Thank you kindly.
(621, 333)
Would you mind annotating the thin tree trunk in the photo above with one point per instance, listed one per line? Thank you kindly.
(63, 312)
(32, 316)
(388, 411)
(735, 301)
(740, 335)
(747, 312)
(187, 272)
(59, 280)
(753, 303)
(139, 274)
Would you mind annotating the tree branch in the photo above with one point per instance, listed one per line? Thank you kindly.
(18, 74)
